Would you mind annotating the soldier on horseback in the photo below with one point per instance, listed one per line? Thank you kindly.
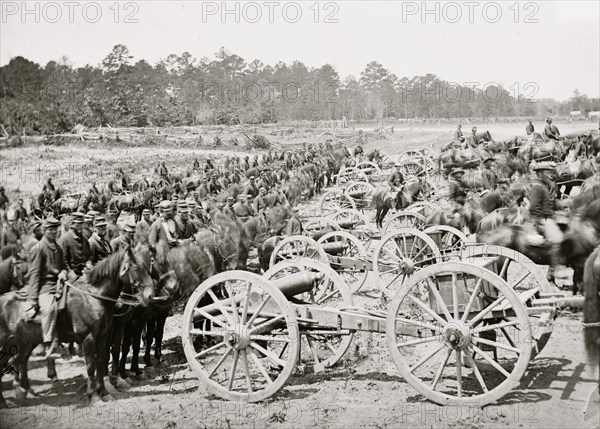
(458, 135)
(164, 231)
(396, 179)
(541, 210)
(488, 176)
(126, 239)
(75, 246)
(294, 225)
(46, 273)
(186, 228)
(99, 247)
(228, 209)
(551, 131)
(456, 190)
(242, 209)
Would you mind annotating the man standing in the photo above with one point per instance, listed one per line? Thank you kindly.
(126, 239)
(530, 129)
(228, 208)
(75, 246)
(20, 212)
(458, 135)
(294, 225)
(164, 231)
(46, 270)
(251, 189)
(10, 235)
(490, 179)
(142, 229)
(99, 247)
(186, 228)
(163, 172)
(259, 202)
(551, 131)
(214, 187)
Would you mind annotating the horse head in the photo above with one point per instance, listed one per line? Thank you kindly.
(135, 272)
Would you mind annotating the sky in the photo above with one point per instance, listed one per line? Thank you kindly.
(537, 49)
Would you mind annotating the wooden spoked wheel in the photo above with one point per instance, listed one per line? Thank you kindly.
(341, 244)
(361, 193)
(321, 347)
(349, 219)
(295, 247)
(448, 239)
(319, 226)
(368, 167)
(335, 200)
(401, 254)
(240, 336)
(526, 279)
(351, 174)
(424, 208)
(404, 219)
(441, 326)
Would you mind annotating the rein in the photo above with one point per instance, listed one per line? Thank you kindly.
(105, 298)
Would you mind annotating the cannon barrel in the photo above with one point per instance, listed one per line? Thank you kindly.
(290, 285)
(334, 248)
(346, 224)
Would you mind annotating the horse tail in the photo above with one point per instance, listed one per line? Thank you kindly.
(591, 306)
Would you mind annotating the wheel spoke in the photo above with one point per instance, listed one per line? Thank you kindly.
(426, 358)
(508, 337)
(257, 312)
(441, 369)
(247, 370)
(208, 333)
(419, 341)
(273, 338)
(496, 344)
(475, 368)
(261, 367)
(486, 310)
(454, 296)
(246, 303)
(491, 361)
(236, 355)
(227, 353)
(471, 299)
(419, 324)
(210, 349)
(501, 325)
(268, 354)
(219, 305)
(439, 300)
(428, 310)
(265, 324)
(209, 317)
(459, 372)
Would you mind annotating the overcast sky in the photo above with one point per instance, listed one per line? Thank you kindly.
(558, 53)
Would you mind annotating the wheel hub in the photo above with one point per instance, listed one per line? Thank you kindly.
(237, 338)
(407, 266)
(456, 335)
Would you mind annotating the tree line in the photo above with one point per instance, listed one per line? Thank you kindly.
(182, 90)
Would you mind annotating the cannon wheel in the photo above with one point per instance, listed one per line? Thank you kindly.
(319, 226)
(365, 187)
(237, 364)
(449, 334)
(404, 219)
(351, 174)
(297, 246)
(448, 239)
(368, 167)
(324, 350)
(354, 278)
(424, 208)
(526, 279)
(351, 216)
(334, 200)
(399, 255)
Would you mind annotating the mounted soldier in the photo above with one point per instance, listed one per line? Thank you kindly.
(259, 202)
(530, 129)
(126, 239)
(164, 231)
(396, 178)
(456, 190)
(243, 211)
(75, 246)
(46, 273)
(251, 189)
(100, 248)
(186, 228)
(213, 185)
(228, 208)
(294, 225)
(458, 135)
(551, 131)
(489, 177)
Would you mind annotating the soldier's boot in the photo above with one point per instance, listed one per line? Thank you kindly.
(555, 261)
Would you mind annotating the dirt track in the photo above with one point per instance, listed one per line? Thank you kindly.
(364, 390)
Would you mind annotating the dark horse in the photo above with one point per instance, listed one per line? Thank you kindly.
(591, 306)
(383, 202)
(87, 318)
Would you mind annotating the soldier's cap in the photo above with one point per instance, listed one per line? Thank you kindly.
(457, 171)
(397, 164)
(191, 204)
(252, 177)
(77, 217)
(295, 210)
(243, 196)
(190, 185)
(146, 211)
(491, 158)
(129, 226)
(165, 205)
(36, 224)
(93, 213)
(230, 198)
(182, 205)
(51, 223)
(262, 188)
(100, 221)
(544, 165)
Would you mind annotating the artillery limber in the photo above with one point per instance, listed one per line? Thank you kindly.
(458, 331)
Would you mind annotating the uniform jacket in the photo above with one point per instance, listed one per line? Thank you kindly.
(120, 242)
(529, 129)
(243, 210)
(551, 132)
(100, 248)
(76, 250)
(396, 179)
(186, 228)
(456, 191)
(48, 262)
(293, 227)
(158, 235)
(541, 203)
(489, 179)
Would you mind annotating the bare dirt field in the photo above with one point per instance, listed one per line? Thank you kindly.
(364, 390)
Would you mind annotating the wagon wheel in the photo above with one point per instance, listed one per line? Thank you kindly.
(527, 280)
(343, 244)
(252, 336)
(412, 168)
(297, 246)
(443, 311)
(349, 219)
(351, 174)
(399, 255)
(410, 155)
(361, 193)
(317, 227)
(424, 208)
(386, 159)
(335, 200)
(368, 167)
(404, 219)
(448, 239)
(325, 348)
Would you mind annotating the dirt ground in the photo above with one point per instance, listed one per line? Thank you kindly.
(363, 390)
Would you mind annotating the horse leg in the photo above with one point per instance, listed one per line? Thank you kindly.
(136, 339)
(89, 353)
(101, 358)
(378, 217)
(150, 324)
(126, 343)
(52, 375)
(160, 329)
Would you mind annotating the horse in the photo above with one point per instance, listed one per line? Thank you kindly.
(383, 201)
(12, 274)
(87, 319)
